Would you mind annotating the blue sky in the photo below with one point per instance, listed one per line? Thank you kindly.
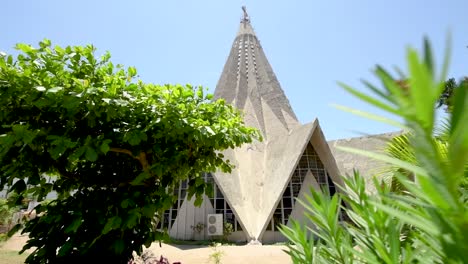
(310, 44)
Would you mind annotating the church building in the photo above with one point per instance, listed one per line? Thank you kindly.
(260, 193)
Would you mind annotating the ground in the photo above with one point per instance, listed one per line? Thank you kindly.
(186, 254)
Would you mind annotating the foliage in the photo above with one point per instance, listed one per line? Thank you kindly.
(426, 223)
(446, 99)
(116, 146)
(217, 254)
(228, 228)
(399, 148)
(198, 227)
(6, 212)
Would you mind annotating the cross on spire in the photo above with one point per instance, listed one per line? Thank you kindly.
(246, 17)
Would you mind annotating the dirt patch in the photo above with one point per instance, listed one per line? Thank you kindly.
(249, 254)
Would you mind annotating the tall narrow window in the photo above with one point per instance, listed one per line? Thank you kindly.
(220, 204)
(170, 215)
(216, 198)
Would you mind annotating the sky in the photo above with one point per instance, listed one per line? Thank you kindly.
(311, 45)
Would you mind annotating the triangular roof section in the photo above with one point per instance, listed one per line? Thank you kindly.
(283, 158)
(262, 169)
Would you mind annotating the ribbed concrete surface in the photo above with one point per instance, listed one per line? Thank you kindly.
(263, 169)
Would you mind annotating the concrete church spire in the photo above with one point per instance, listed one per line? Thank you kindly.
(264, 169)
(258, 194)
(249, 83)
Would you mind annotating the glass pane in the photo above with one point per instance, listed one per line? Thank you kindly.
(296, 178)
(287, 202)
(287, 213)
(296, 188)
(303, 162)
(239, 227)
(219, 204)
(287, 192)
(277, 221)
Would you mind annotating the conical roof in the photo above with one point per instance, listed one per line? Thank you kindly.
(262, 169)
(249, 83)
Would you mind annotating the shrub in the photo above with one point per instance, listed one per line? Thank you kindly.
(426, 223)
(116, 146)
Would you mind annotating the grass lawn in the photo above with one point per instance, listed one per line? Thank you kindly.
(11, 257)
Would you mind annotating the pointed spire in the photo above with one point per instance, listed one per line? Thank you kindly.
(247, 75)
(245, 27)
(246, 17)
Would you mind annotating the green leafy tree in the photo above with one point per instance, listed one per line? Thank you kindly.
(446, 98)
(116, 146)
(428, 222)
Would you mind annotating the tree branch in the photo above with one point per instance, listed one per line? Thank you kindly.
(141, 157)
(121, 150)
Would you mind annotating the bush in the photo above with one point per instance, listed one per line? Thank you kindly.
(117, 147)
(425, 223)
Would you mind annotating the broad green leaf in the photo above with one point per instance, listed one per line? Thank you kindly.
(132, 219)
(140, 178)
(105, 146)
(132, 71)
(24, 48)
(65, 249)
(91, 154)
(73, 227)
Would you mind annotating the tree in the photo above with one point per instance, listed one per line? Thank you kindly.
(446, 98)
(116, 146)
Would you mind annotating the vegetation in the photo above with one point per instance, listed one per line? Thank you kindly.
(217, 254)
(228, 228)
(425, 223)
(447, 97)
(198, 228)
(6, 212)
(116, 146)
